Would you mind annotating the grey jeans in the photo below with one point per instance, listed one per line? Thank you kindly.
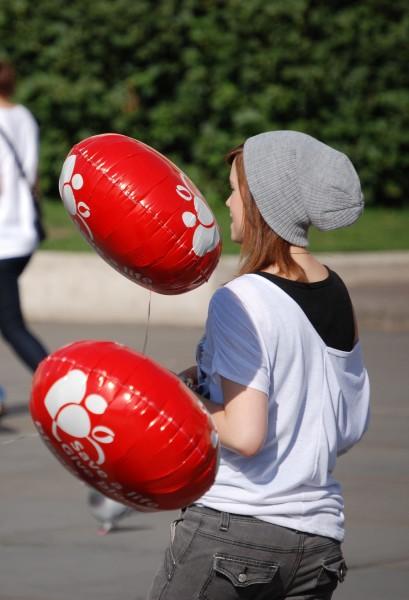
(220, 556)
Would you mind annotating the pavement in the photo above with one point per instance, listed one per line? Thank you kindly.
(81, 287)
(49, 547)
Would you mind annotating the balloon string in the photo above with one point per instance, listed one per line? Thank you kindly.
(145, 343)
(19, 438)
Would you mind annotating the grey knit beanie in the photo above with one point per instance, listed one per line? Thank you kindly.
(297, 181)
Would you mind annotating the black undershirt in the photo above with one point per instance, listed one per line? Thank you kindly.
(326, 304)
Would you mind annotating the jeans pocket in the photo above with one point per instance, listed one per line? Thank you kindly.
(182, 533)
(237, 571)
(333, 571)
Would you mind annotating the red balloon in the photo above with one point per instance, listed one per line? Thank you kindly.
(124, 425)
(141, 213)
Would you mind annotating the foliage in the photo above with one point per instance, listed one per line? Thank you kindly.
(379, 228)
(193, 78)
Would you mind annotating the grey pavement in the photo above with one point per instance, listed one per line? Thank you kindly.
(49, 547)
(81, 287)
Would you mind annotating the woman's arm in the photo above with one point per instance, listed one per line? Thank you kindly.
(242, 420)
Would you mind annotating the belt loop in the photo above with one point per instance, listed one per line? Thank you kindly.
(224, 521)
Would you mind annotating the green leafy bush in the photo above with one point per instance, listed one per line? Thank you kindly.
(193, 78)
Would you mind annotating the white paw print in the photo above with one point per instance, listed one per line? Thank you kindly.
(206, 235)
(64, 405)
(70, 181)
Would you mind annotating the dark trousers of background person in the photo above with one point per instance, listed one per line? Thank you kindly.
(12, 325)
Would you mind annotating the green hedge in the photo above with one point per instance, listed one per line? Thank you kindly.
(195, 77)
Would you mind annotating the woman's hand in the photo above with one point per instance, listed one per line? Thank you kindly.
(189, 377)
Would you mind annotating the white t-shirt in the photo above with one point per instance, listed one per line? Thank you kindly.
(258, 336)
(18, 236)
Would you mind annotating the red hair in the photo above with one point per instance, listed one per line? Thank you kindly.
(261, 247)
(7, 79)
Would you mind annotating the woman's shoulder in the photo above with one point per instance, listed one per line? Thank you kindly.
(20, 114)
(230, 292)
(19, 118)
(242, 293)
(239, 286)
(253, 285)
(28, 115)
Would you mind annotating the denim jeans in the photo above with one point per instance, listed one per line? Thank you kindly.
(221, 556)
(12, 325)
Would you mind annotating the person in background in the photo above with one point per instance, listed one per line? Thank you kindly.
(19, 231)
(280, 369)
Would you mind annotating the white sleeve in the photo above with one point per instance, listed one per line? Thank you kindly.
(238, 349)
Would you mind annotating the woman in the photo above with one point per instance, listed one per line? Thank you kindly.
(281, 371)
(18, 233)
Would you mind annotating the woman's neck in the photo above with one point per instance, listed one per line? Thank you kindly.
(313, 269)
(6, 102)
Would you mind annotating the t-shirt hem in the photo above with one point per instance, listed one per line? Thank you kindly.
(241, 380)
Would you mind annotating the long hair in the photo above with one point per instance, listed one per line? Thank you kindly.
(261, 247)
(7, 78)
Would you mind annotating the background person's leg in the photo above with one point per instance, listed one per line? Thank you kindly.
(12, 325)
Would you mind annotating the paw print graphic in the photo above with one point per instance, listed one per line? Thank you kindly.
(71, 410)
(206, 235)
(70, 181)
